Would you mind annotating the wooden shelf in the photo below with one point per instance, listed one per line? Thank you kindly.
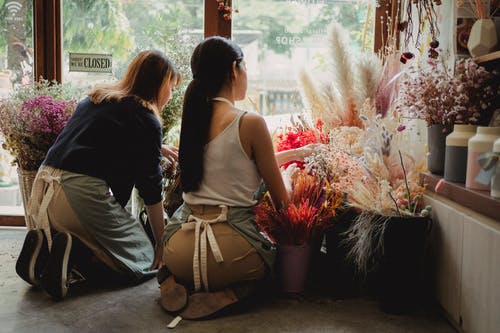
(478, 201)
(487, 57)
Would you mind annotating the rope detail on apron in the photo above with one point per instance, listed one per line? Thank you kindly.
(39, 201)
(200, 245)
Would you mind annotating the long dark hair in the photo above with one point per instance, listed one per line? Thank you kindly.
(211, 65)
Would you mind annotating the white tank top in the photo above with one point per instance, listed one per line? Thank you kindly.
(230, 178)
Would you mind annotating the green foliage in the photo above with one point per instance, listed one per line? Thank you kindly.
(96, 26)
(179, 51)
(64, 91)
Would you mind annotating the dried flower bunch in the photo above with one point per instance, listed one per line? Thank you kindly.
(440, 96)
(313, 204)
(298, 135)
(32, 118)
(224, 7)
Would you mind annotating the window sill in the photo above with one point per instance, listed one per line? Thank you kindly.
(12, 216)
(478, 201)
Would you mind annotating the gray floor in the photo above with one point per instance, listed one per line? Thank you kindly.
(135, 309)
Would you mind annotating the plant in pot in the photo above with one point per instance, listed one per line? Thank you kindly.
(30, 121)
(444, 96)
(297, 226)
(387, 239)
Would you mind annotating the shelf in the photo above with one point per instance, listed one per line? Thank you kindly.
(478, 201)
(487, 57)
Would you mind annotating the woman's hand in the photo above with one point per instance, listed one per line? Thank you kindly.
(305, 151)
(158, 260)
(170, 152)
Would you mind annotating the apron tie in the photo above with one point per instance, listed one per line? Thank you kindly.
(40, 200)
(200, 245)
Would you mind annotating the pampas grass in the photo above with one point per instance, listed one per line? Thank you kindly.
(351, 81)
(365, 239)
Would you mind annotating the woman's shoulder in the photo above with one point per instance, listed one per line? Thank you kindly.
(252, 120)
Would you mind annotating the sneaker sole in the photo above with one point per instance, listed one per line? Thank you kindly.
(28, 263)
(54, 279)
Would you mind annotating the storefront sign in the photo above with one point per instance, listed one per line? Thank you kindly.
(89, 62)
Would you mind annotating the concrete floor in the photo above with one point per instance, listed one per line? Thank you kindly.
(135, 309)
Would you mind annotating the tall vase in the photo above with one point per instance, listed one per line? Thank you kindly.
(455, 162)
(483, 37)
(479, 144)
(293, 266)
(26, 179)
(436, 142)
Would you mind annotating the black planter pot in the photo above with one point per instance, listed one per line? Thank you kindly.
(400, 277)
(340, 273)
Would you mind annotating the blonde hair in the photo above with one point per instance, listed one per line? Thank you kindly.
(145, 76)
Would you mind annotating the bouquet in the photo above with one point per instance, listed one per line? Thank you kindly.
(31, 120)
(312, 206)
(298, 135)
(441, 96)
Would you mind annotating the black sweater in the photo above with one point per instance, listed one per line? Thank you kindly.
(119, 142)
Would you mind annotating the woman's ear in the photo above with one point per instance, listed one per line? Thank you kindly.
(234, 73)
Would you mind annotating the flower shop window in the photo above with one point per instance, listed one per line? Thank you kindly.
(117, 30)
(280, 37)
(16, 69)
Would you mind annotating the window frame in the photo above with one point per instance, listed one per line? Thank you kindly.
(47, 33)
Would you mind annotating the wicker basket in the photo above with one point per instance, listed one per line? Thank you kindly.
(26, 179)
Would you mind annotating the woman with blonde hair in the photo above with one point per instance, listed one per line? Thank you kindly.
(112, 143)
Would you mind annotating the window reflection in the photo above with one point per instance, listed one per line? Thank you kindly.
(279, 37)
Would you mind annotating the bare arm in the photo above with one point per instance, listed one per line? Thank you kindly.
(297, 154)
(155, 216)
(263, 152)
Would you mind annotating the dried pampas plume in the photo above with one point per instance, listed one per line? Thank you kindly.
(368, 77)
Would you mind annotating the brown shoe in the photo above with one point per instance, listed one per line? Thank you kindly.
(204, 304)
(173, 295)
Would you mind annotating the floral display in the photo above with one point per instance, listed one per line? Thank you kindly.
(442, 96)
(298, 135)
(32, 118)
(312, 206)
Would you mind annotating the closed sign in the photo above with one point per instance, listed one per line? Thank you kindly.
(90, 62)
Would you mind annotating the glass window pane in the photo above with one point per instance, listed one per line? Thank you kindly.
(278, 37)
(16, 68)
(123, 28)
(16, 44)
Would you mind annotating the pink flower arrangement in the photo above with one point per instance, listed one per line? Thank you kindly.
(31, 121)
(439, 96)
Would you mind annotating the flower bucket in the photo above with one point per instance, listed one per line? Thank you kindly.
(26, 179)
(343, 280)
(293, 267)
(400, 281)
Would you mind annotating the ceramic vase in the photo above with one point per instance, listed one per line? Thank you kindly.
(455, 161)
(482, 142)
(483, 38)
(436, 143)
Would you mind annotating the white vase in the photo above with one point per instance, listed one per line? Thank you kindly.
(479, 144)
(483, 38)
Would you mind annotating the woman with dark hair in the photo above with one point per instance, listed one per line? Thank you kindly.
(212, 245)
(112, 143)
